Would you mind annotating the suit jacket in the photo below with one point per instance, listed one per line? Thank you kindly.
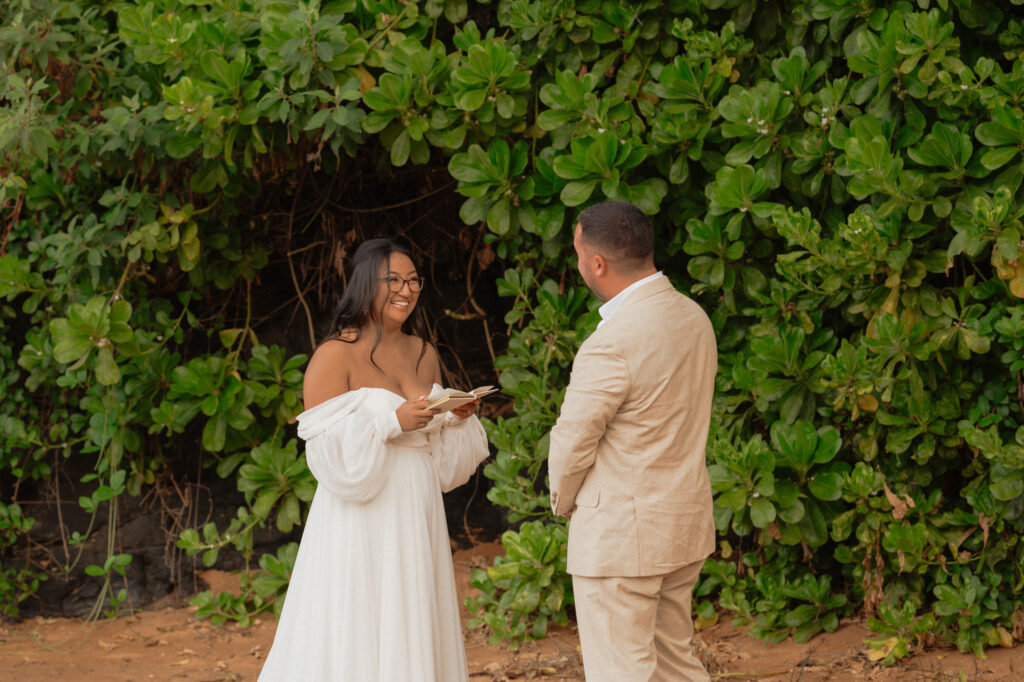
(628, 447)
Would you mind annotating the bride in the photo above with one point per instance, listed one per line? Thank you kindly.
(372, 595)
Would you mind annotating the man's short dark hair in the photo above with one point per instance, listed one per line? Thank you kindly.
(618, 231)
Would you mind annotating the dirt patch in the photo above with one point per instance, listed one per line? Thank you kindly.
(170, 644)
(840, 657)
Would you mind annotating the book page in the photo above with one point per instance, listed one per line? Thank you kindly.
(449, 398)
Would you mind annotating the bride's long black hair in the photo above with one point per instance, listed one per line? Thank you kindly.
(355, 309)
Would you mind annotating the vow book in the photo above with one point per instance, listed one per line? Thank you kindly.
(448, 398)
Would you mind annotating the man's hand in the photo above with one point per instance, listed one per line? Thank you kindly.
(413, 414)
(466, 411)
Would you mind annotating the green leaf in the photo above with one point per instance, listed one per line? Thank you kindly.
(792, 513)
(474, 210)
(575, 193)
(945, 147)
(735, 499)
(182, 146)
(471, 100)
(72, 349)
(1008, 487)
(735, 188)
(997, 158)
(762, 512)
(216, 68)
(827, 485)
(107, 371)
(288, 515)
(215, 432)
(499, 216)
(400, 147)
(994, 134)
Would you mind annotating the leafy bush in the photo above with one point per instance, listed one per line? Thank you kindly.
(837, 182)
(528, 586)
(849, 210)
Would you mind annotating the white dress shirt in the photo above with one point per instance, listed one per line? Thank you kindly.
(609, 307)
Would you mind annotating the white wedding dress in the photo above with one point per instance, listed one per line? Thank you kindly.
(372, 595)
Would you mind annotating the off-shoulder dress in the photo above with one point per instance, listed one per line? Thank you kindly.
(372, 595)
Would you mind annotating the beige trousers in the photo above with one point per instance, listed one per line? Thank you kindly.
(638, 629)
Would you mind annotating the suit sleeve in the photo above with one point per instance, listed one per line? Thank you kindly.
(597, 388)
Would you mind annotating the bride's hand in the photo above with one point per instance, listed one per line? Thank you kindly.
(413, 414)
(466, 411)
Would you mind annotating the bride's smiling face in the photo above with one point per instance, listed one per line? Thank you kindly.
(398, 290)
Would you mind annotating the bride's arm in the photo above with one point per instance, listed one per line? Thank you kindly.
(345, 442)
(459, 444)
(458, 448)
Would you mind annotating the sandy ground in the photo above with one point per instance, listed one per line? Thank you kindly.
(170, 644)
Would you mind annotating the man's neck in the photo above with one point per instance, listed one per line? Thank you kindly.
(621, 283)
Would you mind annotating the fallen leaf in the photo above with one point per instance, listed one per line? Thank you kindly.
(884, 650)
(701, 623)
(1005, 637)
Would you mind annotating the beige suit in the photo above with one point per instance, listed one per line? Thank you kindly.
(627, 458)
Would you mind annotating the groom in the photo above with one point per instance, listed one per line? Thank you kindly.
(627, 458)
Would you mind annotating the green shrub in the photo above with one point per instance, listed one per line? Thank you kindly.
(837, 182)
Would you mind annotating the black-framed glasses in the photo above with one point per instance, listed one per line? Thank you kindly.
(396, 283)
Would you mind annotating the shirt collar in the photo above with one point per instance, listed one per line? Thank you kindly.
(611, 306)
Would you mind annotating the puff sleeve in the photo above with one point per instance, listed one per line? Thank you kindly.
(346, 446)
(457, 446)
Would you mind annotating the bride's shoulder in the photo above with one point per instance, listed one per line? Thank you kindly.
(339, 345)
(327, 374)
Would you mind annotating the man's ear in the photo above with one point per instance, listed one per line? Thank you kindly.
(600, 265)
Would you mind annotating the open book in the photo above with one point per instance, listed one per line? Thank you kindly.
(448, 398)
